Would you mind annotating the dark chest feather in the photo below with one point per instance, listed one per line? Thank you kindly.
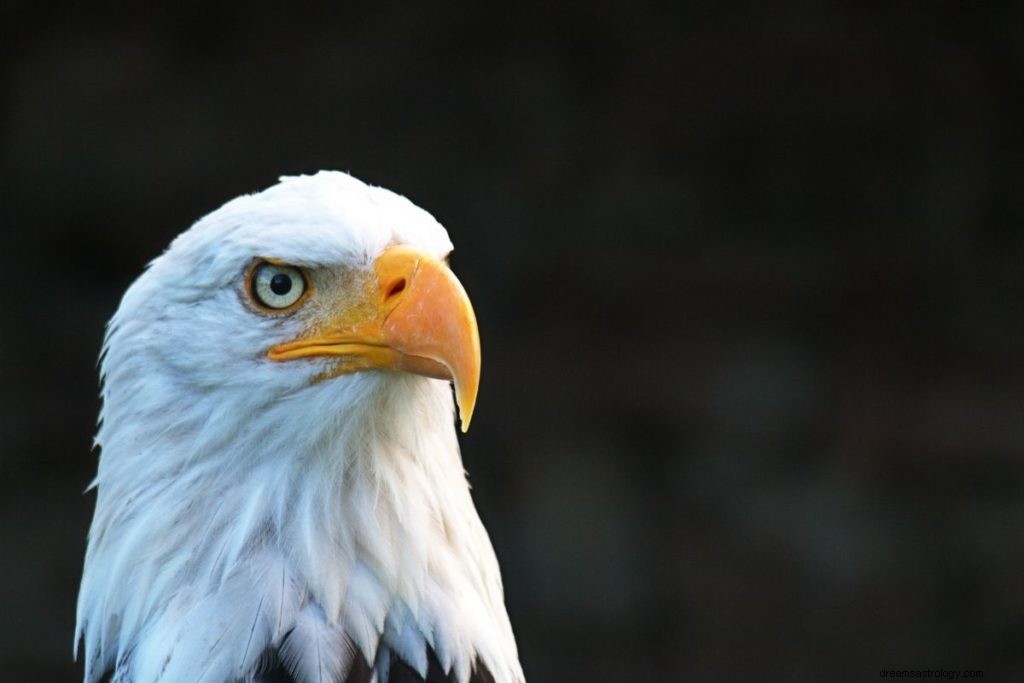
(361, 672)
(401, 672)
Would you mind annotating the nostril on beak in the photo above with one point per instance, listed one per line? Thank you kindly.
(396, 288)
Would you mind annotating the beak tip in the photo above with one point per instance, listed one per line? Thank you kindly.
(465, 416)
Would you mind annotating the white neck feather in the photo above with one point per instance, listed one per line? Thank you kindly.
(227, 525)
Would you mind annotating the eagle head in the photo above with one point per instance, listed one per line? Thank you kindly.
(280, 487)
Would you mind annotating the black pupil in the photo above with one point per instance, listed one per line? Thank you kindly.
(281, 284)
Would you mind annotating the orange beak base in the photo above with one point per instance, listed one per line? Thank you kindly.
(415, 318)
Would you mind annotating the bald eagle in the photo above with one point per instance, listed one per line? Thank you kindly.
(280, 494)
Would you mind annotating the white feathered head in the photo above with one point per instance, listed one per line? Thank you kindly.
(280, 486)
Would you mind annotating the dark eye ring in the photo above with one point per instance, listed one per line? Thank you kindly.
(276, 286)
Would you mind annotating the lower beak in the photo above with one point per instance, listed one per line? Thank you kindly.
(415, 318)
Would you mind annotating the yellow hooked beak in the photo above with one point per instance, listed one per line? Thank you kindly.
(413, 317)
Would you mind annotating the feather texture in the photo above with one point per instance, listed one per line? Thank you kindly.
(316, 651)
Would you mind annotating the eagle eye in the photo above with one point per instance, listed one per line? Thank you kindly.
(276, 286)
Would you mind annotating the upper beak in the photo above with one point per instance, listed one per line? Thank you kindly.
(414, 316)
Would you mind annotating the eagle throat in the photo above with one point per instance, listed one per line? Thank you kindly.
(347, 529)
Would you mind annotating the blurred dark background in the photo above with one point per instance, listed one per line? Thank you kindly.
(749, 279)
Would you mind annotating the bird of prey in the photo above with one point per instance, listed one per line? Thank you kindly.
(280, 494)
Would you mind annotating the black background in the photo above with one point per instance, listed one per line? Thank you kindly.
(749, 280)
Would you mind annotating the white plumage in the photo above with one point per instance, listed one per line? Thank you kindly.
(244, 506)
